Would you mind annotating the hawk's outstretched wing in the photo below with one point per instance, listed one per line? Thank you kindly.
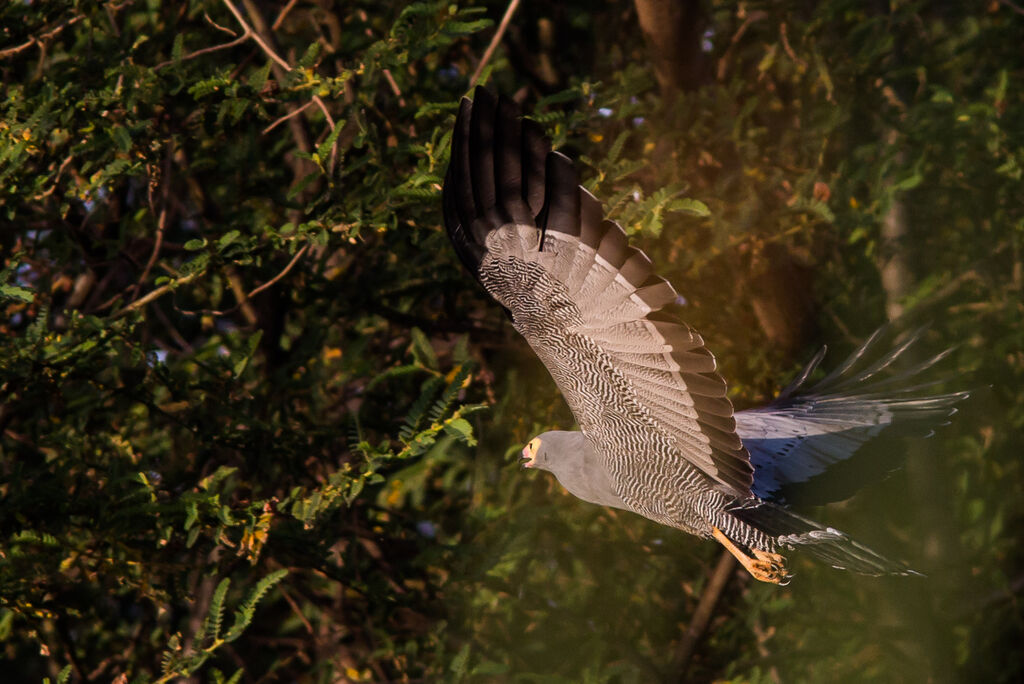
(588, 303)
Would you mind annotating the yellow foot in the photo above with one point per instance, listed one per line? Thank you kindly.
(764, 566)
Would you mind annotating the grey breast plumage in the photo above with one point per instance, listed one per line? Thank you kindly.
(641, 383)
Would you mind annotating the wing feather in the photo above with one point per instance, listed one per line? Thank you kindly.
(587, 302)
(804, 431)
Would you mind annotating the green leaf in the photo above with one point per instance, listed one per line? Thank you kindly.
(909, 183)
(244, 614)
(690, 206)
(239, 365)
(178, 47)
(460, 427)
(225, 239)
(296, 189)
(214, 616)
(223, 472)
(15, 292)
(309, 56)
(422, 350)
(260, 76)
(324, 148)
(122, 138)
(460, 663)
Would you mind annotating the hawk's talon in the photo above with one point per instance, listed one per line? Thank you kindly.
(765, 566)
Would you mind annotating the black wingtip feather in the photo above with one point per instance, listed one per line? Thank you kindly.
(591, 215)
(613, 248)
(636, 268)
(561, 210)
(535, 150)
(481, 157)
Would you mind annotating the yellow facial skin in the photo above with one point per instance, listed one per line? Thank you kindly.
(530, 452)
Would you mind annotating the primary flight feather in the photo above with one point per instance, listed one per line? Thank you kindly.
(658, 435)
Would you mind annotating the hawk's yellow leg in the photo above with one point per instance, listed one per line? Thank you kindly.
(764, 566)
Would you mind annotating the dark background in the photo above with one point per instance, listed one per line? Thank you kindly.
(257, 424)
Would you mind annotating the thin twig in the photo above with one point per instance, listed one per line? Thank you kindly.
(783, 33)
(40, 39)
(277, 58)
(217, 26)
(257, 37)
(723, 63)
(1012, 5)
(265, 46)
(56, 178)
(157, 293)
(175, 335)
(294, 112)
(204, 51)
(235, 282)
(499, 34)
(282, 274)
(394, 86)
(298, 611)
(243, 300)
(282, 14)
(161, 223)
(323, 108)
(334, 145)
(110, 7)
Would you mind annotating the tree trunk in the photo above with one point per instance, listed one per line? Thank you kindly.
(673, 30)
(928, 487)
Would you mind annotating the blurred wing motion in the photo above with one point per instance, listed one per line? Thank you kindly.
(587, 302)
(804, 431)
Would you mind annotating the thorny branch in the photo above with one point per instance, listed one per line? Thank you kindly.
(281, 120)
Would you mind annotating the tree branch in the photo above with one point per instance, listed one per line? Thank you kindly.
(39, 40)
(702, 613)
(257, 37)
(204, 51)
(502, 27)
(156, 294)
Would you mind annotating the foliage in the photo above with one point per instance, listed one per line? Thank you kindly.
(242, 370)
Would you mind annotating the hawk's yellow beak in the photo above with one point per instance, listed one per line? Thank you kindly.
(530, 453)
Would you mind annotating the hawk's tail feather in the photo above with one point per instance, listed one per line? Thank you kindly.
(850, 379)
(793, 531)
